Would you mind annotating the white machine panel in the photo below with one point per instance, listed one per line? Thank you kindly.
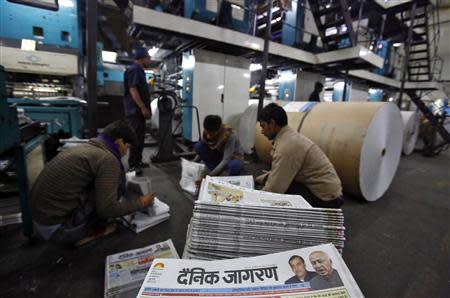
(220, 87)
(17, 60)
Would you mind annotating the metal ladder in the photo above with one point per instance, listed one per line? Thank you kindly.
(334, 23)
(417, 57)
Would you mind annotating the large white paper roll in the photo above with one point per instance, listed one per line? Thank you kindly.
(411, 123)
(362, 140)
(246, 128)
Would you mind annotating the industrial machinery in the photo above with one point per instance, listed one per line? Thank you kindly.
(287, 22)
(21, 160)
(40, 48)
(232, 14)
(214, 83)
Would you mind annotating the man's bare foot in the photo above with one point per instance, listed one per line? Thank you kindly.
(96, 234)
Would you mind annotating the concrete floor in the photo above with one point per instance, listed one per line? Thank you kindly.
(398, 246)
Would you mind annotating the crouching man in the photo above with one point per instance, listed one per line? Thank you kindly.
(80, 189)
(220, 148)
(298, 165)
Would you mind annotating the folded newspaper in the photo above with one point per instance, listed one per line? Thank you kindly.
(125, 271)
(190, 173)
(243, 181)
(317, 271)
(231, 221)
(153, 215)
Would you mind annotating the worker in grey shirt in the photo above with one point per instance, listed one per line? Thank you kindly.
(220, 148)
(326, 277)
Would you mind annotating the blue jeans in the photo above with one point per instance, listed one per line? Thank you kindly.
(212, 158)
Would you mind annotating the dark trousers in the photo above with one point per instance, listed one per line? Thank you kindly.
(212, 158)
(137, 122)
(82, 221)
(299, 189)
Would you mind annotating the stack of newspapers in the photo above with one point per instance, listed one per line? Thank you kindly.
(231, 221)
(312, 272)
(125, 271)
(151, 216)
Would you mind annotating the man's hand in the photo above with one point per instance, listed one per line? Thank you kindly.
(261, 179)
(147, 200)
(145, 112)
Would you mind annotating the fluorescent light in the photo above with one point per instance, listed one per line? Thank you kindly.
(246, 75)
(66, 3)
(152, 51)
(220, 87)
(28, 45)
(287, 76)
(188, 62)
(255, 67)
(397, 44)
(109, 56)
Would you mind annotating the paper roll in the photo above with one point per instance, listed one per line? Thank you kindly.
(362, 140)
(411, 123)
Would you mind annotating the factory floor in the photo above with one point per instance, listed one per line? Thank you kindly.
(398, 246)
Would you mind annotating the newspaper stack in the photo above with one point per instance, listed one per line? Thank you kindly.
(141, 220)
(10, 212)
(125, 271)
(231, 221)
(317, 271)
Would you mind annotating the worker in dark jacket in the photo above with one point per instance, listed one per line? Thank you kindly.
(80, 188)
(137, 103)
(315, 95)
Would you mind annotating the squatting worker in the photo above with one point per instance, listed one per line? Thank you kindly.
(298, 165)
(137, 103)
(79, 189)
(220, 148)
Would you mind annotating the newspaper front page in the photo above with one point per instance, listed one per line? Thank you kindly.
(312, 272)
(214, 190)
(244, 181)
(125, 271)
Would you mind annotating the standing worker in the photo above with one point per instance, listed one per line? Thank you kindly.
(315, 95)
(137, 103)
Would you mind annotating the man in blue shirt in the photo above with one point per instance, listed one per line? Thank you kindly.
(137, 103)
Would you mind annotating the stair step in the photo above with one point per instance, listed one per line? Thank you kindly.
(418, 59)
(428, 80)
(419, 73)
(418, 66)
(418, 51)
(325, 11)
(419, 42)
(335, 37)
(331, 24)
(422, 25)
(419, 16)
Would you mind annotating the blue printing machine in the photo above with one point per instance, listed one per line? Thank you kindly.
(61, 114)
(207, 11)
(57, 24)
